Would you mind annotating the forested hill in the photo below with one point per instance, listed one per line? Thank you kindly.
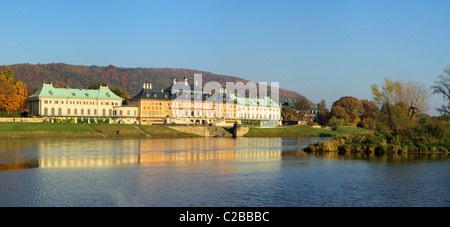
(129, 79)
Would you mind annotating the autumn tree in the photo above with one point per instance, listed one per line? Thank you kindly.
(303, 107)
(121, 93)
(13, 94)
(442, 87)
(289, 114)
(399, 100)
(412, 93)
(349, 109)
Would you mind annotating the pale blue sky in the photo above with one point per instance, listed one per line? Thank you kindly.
(323, 49)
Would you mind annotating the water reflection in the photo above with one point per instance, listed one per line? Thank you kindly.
(90, 153)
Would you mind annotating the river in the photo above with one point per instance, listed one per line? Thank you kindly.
(211, 172)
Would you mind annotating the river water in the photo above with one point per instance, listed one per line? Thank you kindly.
(211, 172)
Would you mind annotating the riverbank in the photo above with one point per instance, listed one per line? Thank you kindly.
(23, 130)
(303, 131)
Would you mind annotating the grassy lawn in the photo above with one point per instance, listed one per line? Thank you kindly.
(117, 130)
(289, 131)
(303, 131)
(36, 130)
(43, 130)
(163, 131)
(351, 131)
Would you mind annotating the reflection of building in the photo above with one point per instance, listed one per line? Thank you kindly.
(143, 152)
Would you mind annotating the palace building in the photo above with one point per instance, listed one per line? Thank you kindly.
(188, 105)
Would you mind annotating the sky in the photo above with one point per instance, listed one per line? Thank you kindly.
(322, 49)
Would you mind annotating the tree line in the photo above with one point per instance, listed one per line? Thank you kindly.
(397, 106)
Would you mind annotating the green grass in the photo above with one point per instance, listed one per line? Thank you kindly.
(37, 130)
(52, 130)
(42, 130)
(163, 131)
(350, 131)
(289, 131)
(117, 130)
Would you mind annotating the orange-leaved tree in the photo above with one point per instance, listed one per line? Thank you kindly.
(13, 94)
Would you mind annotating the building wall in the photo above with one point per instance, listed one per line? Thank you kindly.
(73, 107)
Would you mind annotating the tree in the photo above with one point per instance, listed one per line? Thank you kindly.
(13, 94)
(412, 93)
(96, 85)
(303, 106)
(9, 99)
(322, 119)
(416, 97)
(121, 93)
(442, 87)
(289, 114)
(321, 105)
(348, 109)
(370, 109)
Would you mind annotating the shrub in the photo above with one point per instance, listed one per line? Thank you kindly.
(335, 123)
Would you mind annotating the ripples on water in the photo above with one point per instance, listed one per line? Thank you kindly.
(267, 172)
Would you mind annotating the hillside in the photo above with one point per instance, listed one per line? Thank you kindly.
(129, 79)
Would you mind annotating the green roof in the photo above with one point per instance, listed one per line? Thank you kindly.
(266, 101)
(48, 91)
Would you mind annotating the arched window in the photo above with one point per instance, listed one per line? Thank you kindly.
(59, 112)
(45, 111)
(53, 111)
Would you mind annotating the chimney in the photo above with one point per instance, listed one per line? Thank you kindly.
(174, 80)
(144, 85)
(185, 81)
(150, 85)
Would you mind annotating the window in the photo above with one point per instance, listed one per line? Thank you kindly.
(68, 111)
(75, 111)
(45, 111)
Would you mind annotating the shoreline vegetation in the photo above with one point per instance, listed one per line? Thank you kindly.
(379, 144)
